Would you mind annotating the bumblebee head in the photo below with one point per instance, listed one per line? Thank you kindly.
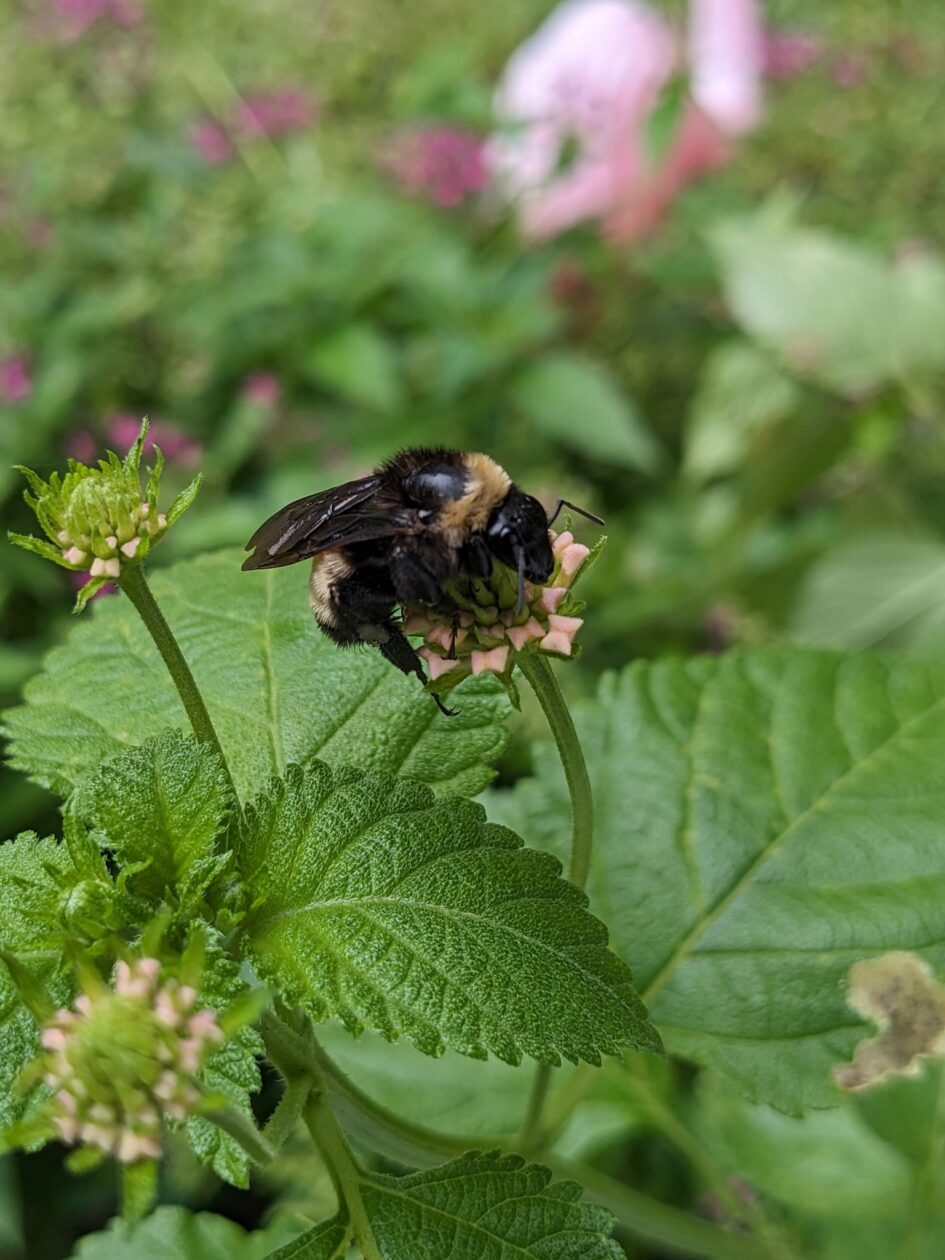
(517, 534)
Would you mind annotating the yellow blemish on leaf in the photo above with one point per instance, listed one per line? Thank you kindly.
(898, 993)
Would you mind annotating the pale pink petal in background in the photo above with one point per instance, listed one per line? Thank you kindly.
(727, 56)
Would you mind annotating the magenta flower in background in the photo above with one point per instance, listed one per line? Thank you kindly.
(591, 77)
(82, 445)
(211, 143)
(262, 389)
(790, 52)
(850, 70)
(79, 580)
(68, 20)
(16, 381)
(275, 113)
(446, 165)
(122, 432)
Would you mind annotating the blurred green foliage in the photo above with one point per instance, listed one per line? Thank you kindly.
(752, 397)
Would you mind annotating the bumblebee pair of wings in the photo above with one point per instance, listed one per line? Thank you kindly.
(345, 514)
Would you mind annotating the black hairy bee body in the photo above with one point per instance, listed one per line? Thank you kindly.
(400, 536)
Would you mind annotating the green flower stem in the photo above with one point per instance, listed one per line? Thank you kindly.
(135, 586)
(541, 677)
(346, 1176)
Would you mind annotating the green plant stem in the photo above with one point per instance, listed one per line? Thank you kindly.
(135, 586)
(326, 1132)
(542, 680)
(287, 1114)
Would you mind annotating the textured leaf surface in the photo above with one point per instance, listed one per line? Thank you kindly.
(173, 1233)
(764, 820)
(478, 1207)
(28, 895)
(277, 689)
(328, 1241)
(231, 1071)
(375, 903)
(486, 1205)
(164, 804)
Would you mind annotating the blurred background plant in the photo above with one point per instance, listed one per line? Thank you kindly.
(703, 295)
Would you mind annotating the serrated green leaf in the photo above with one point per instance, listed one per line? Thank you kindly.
(328, 1241)
(762, 821)
(173, 1233)
(28, 900)
(375, 903)
(485, 1205)
(231, 1071)
(183, 501)
(277, 689)
(163, 804)
(576, 401)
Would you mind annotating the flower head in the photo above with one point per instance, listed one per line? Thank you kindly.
(444, 164)
(488, 631)
(590, 80)
(16, 382)
(122, 1061)
(100, 519)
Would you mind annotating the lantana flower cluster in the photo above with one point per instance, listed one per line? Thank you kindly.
(123, 1059)
(100, 520)
(488, 631)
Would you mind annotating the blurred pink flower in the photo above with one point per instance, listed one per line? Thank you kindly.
(591, 77)
(122, 430)
(69, 19)
(16, 381)
(82, 445)
(274, 113)
(444, 164)
(211, 142)
(791, 52)
(850, 70)
(262, 389)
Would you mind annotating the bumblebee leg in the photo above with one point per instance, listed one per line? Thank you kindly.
(396, 649)
(413, 581)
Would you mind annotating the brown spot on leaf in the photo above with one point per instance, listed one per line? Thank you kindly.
(901, 996)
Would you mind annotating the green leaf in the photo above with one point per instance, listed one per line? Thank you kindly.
(29, 897)
(741, 395)
(576, 402)
(881, 589)
(173, 1233)
(486, 1205)
(277, 689)
(328, 1241)
(834, 311)
(375, 903)
(232, 1070)
(762, 821)
(162, 804)
(360, 365)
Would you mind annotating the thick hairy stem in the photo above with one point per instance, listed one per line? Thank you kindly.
(540, 675)
(135, 586)
(342, 1167)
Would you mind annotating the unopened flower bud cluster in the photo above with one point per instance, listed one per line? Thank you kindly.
(121, 1061)
(490, 629)
(102, 535)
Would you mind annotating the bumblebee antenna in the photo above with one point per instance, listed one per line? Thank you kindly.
(574, 508)
(520, 564)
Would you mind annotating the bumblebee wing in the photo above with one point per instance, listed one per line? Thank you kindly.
(331, 518)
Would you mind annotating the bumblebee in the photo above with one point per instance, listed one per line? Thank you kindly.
(424, 519)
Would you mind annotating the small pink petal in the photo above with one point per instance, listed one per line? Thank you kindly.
(53, 1039)
(67, 1128)
(437, 664)
(551, 597)
(189, 1054)
(129, 548)
(494, 661)
(440, 635)
(556, 641)
(567, 625)
(148, 967)
(74, 556)
(416, 624)
(204, 1024)
(518, 636)
(562, 542)
(466, 618)
(573, 557)
(186, 997)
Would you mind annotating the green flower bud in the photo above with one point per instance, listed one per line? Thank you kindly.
(100, 519)
(123, 1060)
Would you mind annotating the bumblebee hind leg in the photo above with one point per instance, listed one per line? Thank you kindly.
(396, 649)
